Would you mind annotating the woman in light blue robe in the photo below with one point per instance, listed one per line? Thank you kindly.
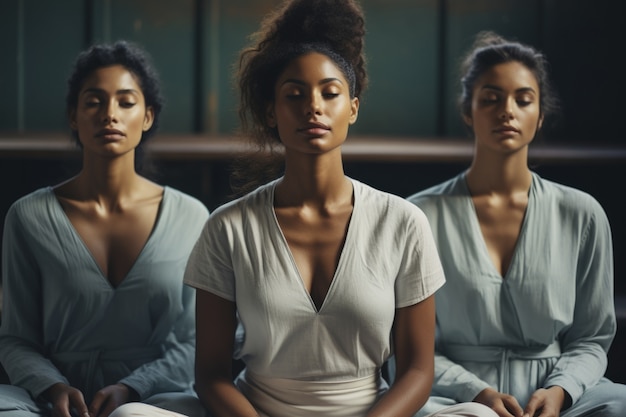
(95, 311)
(526, 317)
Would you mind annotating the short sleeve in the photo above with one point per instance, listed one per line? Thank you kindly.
(209, 267)
(420, 274)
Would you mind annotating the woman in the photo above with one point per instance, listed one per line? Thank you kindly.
(95, 312)
(322, 273)
(526, 317)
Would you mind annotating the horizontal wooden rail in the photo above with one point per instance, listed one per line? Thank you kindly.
(362, 148)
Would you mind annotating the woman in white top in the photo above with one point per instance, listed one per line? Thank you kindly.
(324, 276)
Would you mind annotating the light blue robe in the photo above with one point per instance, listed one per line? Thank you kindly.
(549, 321)
(62, 321)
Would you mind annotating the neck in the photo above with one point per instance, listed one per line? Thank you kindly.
(312, 180)
(492, 173)
(108, 181)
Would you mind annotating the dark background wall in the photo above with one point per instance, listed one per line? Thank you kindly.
(413, 49)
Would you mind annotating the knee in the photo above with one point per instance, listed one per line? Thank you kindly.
(142, 410)
(126, 410)
(469, 409)
(607, 400)
(615, 406)
(479, 410)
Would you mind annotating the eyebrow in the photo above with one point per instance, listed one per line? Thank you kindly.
(519, 90)
(323, 81)
(118, 92)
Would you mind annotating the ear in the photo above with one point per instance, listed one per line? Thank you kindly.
(148, 119)
(354, 110)
(467, 120)
(72, 119)
(540, 123)
(270, 116)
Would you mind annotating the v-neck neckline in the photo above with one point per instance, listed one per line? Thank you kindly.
(74, 232)
(294, 266)
(477, 231)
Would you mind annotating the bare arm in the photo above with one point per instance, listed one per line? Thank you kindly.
(216, 323)
(414, 339)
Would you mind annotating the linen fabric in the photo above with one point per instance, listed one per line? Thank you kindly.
(64, 322)
(549, 321)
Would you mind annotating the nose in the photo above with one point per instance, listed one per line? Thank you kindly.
(110, 113)
(507, 110)
(314, 105)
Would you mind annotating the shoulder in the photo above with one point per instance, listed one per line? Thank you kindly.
(33, 215)
(31, 205)
(178, 199)
(575, 211)
(244, 208)
(438, 194)
(387, 208)
(569, 200)
(373, 197)
(182, 213)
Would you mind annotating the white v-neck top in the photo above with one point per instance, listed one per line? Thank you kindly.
(388, 261)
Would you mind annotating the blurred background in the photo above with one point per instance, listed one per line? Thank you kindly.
(408, 135)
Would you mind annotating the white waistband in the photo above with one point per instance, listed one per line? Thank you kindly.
(279, 397)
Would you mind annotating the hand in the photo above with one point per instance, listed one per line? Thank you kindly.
(548, 402)
(504, 405)
(64, 398)
(109, 398)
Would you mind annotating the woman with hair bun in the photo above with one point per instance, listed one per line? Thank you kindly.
(526, 317)
(312, 278)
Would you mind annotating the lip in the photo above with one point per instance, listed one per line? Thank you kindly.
(111, 134)
(506, 129)
(314, 129)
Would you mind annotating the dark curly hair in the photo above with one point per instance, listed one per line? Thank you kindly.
(490, 49)
(335, 28)
(130, 56)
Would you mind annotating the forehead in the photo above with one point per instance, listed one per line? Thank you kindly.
(508, 76)
(312, 67)
(114, 77)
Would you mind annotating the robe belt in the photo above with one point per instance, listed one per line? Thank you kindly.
(502, 355)
(95, 357)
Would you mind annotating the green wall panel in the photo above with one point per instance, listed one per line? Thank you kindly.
(401, 46)
(40, 41)
(413, 49)
(517, 19)
(9, 64)
(165, 29)
(53, 35)
(237, 20)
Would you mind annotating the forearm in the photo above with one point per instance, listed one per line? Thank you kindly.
(454, 381)
(223, 398)
(170, 373)
(406, 396)
(27, 368)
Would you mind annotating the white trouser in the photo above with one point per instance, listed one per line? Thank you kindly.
(142, 410)
(459, 410)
